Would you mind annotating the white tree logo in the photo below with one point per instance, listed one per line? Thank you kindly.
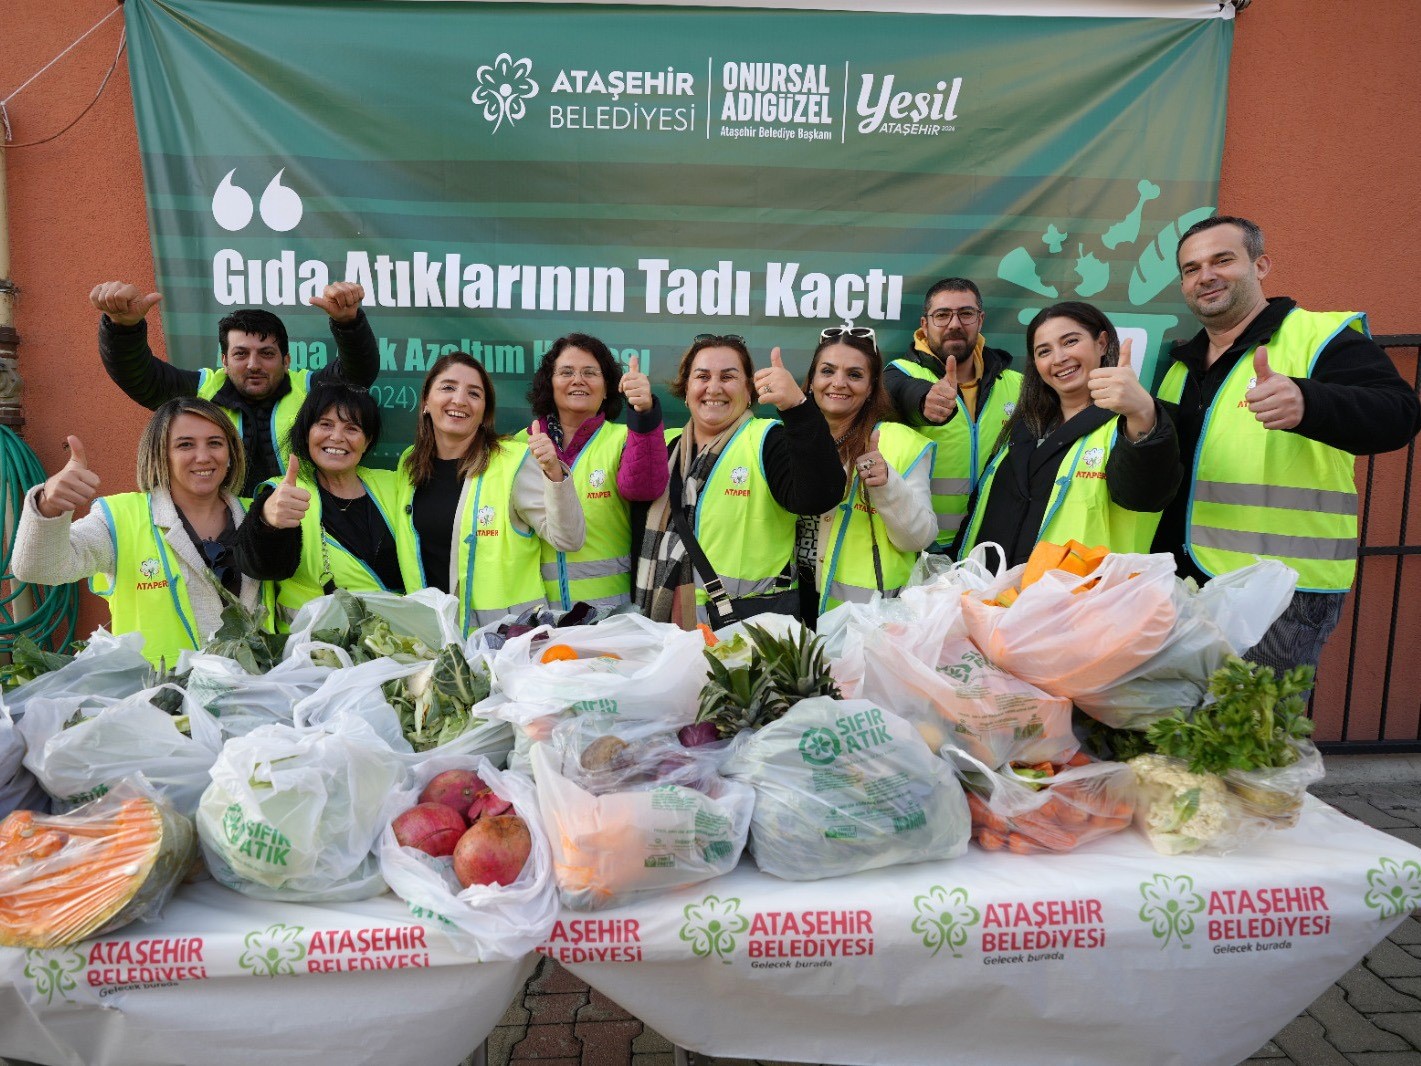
(1093, 457)
(485, 515)
(148, 568)
(503, 89)
(597, 478)
(739, 475)
(1008, 408)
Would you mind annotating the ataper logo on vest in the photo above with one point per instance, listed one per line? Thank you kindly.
(1008, 408)
(597, 478)
(485, 519)
(113, 965)
(149, 568)
(594, 940)
(426, 279)
(1091, 461)
(738, 477)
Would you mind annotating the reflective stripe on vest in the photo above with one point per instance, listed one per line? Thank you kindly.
(283, 414)
(1259, 492)
(148, 592)
(962, 444)
(848, 573)
(497, 564)
(600, 572)
(748, 538)
(347, 570)
(1080, 507)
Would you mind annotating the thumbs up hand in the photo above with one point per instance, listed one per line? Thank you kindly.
(544, 453)
(1118, 389)
(776, 385)
(340, 300)
(1275, 399)
(636, 386)
(73, 487)
(941, 399)
(872, 467)
(288, 504)
(126, 305)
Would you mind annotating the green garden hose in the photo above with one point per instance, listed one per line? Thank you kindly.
(55, 607)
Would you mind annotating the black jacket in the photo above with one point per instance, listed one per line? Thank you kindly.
(1354, 401)
(907, 392)
(1140, 476)
(151, 382)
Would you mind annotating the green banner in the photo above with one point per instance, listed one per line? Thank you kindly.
(497, 175)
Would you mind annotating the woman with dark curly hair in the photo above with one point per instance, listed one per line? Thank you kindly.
(1087, 455)
(330, 522)
(575, 394)
(719, 544)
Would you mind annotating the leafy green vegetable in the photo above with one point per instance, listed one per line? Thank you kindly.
(28, 661)
(435, 703)
(241, 636)
(1253, 723)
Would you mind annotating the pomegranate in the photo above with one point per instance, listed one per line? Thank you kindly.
(453, 788)
(493, 851)
(432, 828)
(487, 803)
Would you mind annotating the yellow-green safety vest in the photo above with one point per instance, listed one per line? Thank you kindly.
(322, 556)
(963, 445)
(283, 414)
(495, 565)
(1271, 493)
(147, 591)
(1080, 507)
(600, 572)
(848, 573)
(748, 538)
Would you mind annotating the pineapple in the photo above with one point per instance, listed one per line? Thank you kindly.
(782, 672)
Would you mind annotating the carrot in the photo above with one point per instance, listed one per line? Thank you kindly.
(1020, 844)
(1080, 758)
(990, 840)
(709, 636)
(1074, 814)
(982, 814)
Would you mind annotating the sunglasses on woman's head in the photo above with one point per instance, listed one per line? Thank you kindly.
(861, 332)
(708, 339)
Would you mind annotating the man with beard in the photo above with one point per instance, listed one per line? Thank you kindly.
(1271, 403)
(255, 384)
(955, 390)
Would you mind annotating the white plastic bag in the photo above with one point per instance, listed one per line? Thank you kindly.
(126, 736)
(1277, 793)
(1072, 636)
(1180, 811)
(237, 702)
(611, 848)
(657, 673)
(294, 814)
(963, 700)
(842, 786)
(427, 614)
(109, 666)
(490, 923)
(19, 791)
(1226, 617)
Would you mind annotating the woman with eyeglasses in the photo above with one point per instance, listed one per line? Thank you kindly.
(328, 523)
(159, 554)
(1087, 455)
(576, 392)
(870, 541)
(474, 507)
(719, 544)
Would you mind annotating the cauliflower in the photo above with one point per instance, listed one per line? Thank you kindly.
(1181, 811)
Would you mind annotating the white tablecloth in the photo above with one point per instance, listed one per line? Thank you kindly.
(1113, 954)
(226, 979)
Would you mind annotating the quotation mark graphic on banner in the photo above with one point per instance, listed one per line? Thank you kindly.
(232, 205)
(503, 89)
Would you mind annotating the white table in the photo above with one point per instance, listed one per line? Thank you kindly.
(221, 979)
(1112, 954)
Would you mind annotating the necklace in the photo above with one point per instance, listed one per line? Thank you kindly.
(340, 503)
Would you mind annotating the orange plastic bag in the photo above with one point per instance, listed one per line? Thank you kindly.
(1072, 640)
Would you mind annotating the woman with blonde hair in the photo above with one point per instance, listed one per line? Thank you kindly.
(156, 555)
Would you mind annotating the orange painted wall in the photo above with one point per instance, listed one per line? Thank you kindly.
(1323, 149)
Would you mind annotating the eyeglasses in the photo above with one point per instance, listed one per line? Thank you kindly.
(862, 332)
(708, 339)
(943, 316)
(586, 373)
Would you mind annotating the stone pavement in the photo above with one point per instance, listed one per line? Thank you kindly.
(1371, 1017)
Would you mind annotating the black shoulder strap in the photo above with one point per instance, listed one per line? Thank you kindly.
(720, 609)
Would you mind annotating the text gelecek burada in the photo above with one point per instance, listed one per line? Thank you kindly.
(781, 289)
